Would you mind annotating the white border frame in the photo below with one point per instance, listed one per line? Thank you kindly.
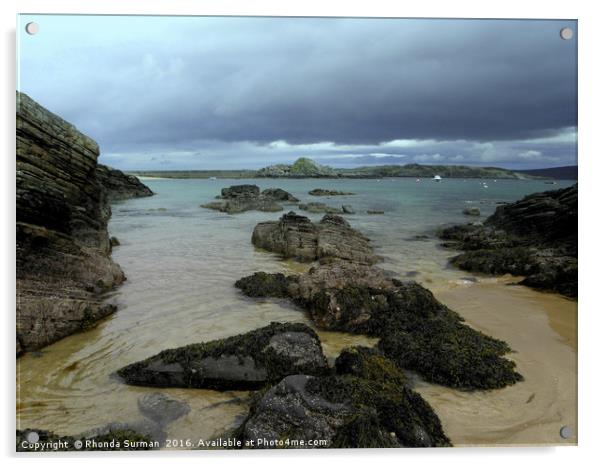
(590, 31)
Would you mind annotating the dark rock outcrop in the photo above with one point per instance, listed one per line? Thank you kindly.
(241, 198)
(261, 285)
(295, 236)
(120, 186)
(244, 362)
(63, 248)
(279, 195)
(240, 190)
(417, 331)
(535, 237)
(365, 405)
(328, 192)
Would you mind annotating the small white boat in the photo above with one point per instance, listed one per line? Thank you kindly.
(437, 178)
(213, 178)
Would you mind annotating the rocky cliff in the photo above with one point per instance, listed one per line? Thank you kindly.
(63, 248)
(120, 186)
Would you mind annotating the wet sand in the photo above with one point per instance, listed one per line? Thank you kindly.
(542, 330)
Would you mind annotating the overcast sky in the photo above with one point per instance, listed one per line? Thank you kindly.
(206, 93)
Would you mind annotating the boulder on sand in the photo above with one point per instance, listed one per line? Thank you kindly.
(295, 236)
(242, 362)
(368, 408)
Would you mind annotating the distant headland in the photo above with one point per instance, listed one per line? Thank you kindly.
(307, 168)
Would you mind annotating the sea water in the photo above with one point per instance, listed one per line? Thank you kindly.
(182, 260)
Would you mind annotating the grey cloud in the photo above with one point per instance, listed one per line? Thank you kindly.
(199, 84)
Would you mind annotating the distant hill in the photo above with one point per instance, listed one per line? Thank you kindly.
(307, 168)
(568, 172)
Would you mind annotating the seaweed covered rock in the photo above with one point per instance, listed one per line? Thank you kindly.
(366, 405)
(244, 362)
(358, 298)
(369, 363)
(535, 237)
(263, 285)
(417, 331)
(296, 236)
(244, 197)
(447, 352)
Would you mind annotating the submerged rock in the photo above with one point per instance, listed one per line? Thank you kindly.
(295, 236)
(320, 208)
(328, 192)
(241, 198)
(161, 408)
(366, 405)
(416, 330)
(375, 212)
(244, 362)
(535, 237)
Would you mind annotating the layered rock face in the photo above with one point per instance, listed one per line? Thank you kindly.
(535, 237)
(63, 248)
(241, 198)
(298, 237)
(120, 186)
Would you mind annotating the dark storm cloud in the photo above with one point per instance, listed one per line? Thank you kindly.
(162, 83)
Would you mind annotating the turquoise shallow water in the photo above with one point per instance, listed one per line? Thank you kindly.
(182, 260)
